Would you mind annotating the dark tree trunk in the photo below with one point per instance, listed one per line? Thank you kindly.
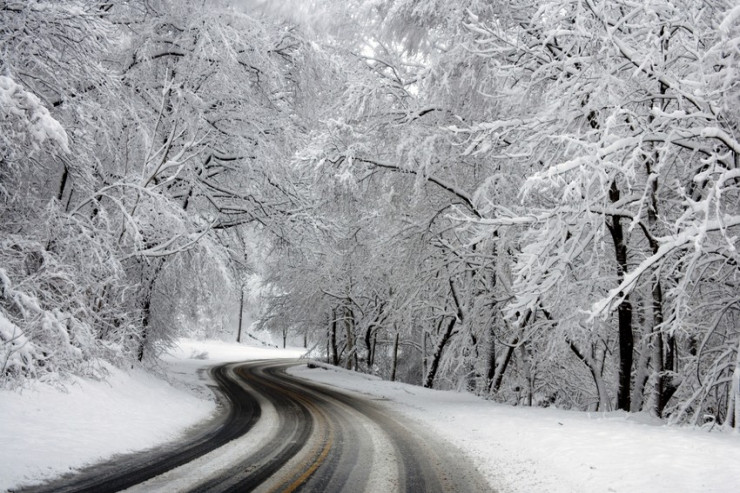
(666, 381)
(529, 373)
(333, 339)
(374, 347)
(241, 314)
(371, 335)
(146, 308)
(349, 325)
(491, 370)
(446, 335)
(394, 366)
(473, 376)
(144, 333)
(369, 347)
(63, 183)
(664, 353)
(666, 386)
(145, 319)
(501, 369)
(424, 359)
(437, 355)
(624, 310)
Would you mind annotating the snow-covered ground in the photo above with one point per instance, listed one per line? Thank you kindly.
(549, 450)
(44, 432)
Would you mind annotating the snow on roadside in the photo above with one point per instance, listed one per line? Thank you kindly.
(532, 449)
(45, 432)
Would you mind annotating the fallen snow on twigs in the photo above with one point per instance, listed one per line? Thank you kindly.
(46, 431)
(549, 450)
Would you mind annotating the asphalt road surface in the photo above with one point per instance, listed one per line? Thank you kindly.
(281, 434)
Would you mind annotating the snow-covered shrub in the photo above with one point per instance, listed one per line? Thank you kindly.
(65, 301)
(17, 353)
(46, 325)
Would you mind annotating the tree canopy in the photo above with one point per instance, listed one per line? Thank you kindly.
(537, 202)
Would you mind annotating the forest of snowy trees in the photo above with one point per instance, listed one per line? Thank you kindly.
(537, 201)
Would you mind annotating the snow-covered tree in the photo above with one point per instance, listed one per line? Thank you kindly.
(580, 158)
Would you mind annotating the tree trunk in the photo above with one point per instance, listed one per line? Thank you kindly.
(491, 370)
(371, 335)
(143, 337)
(349, 325)
(369, 347)
(528, 373)
(665, 384)
(733, 404)
(374, 347)
(491, 367)
(63, 183)
(501, 369)
(333, 339)
(473, 375)
(146, 308)
(624, 310)
(642, 375)
(664, 352)
(395, 358)
(241, 314)
(604, 403)
(437, 355)
(424, 360)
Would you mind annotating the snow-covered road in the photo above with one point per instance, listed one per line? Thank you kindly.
(520, 450)
(45, 433)
(282, 433)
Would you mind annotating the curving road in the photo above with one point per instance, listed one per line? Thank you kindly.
(284, 434)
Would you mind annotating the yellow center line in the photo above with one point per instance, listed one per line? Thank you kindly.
(322, 420)
(319, 460)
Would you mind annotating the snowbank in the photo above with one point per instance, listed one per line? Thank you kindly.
(46, 432)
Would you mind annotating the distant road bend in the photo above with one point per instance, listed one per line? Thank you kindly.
(284, 434)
